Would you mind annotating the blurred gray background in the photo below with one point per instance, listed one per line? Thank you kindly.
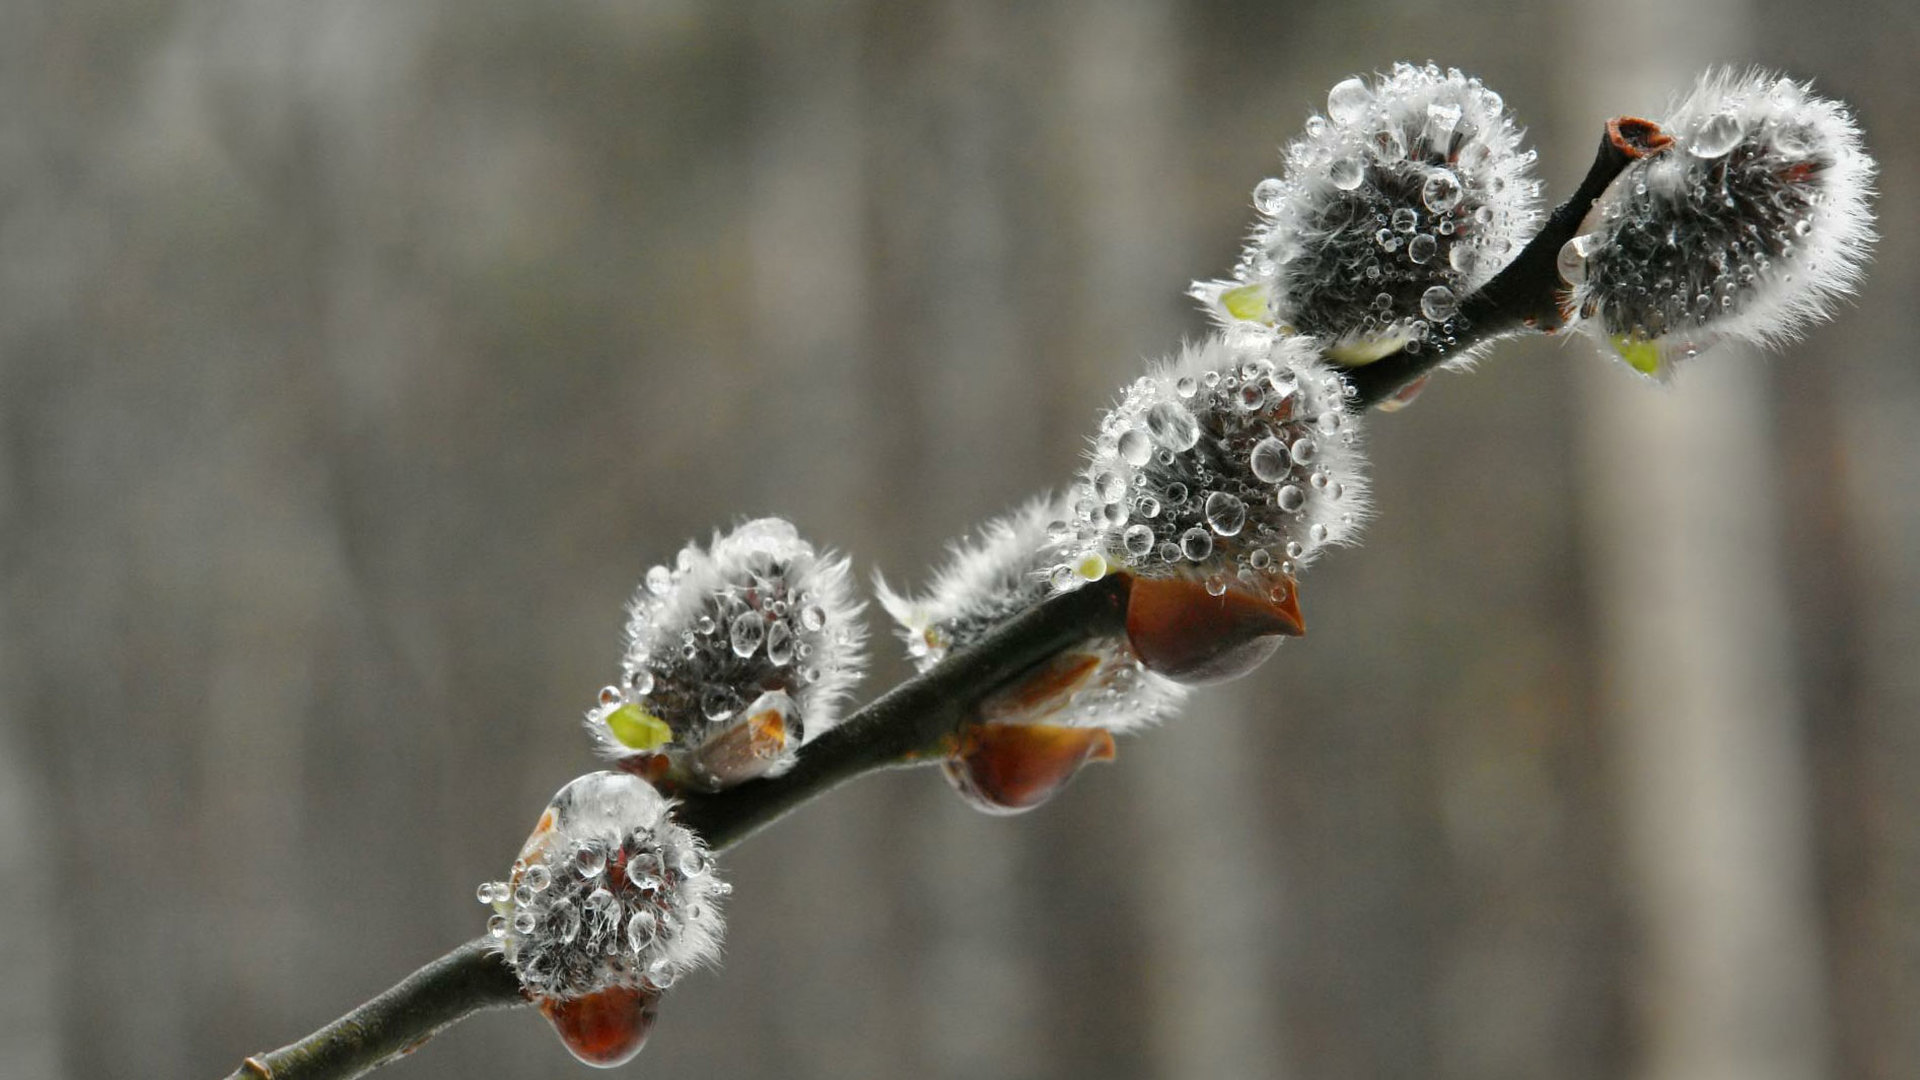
(356, 358)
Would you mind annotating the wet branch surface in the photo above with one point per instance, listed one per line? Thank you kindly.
(919, 721)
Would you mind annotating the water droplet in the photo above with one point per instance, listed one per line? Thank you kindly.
(1267, 195)
(1061, 578)
(659, 580)
(1251, 396)
(524, 921)
(703, 625)
(1290, 498)
(1793, 140)
(538, 877)
(749, 629)
(1441, 120)
(1216, 584)
(1138, 540)
(1295, 549)
(1134, 447)
(1185, 386)
(1346, 173)
(1269, 460)
(1259, 558)
(1110, 486)
(484, 893)
(1421, 248)
(589, 860)
(641, 929)
(715, 702)
(1716, 137)
(1148, 506)
(641, 681)
(1225, 513)
(1438, 303)
(1405, 220)
(1196, 544)
(1318, 534)
(813, 617)
(1176, 493)
(497, 927)
(1462, 258)
(662, 974)
(1349, 101)
(780, 644)
(1388, 146)
(1441, 192)
(1303, 450)
(1172, 426)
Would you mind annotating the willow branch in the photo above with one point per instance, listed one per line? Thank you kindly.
(465, 981)
(920, 720)
(913, 723)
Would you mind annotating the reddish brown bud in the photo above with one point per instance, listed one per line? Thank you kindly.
(1180, 630)
(604, 1029)
(1010, 768)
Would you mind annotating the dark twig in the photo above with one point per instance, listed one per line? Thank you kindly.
(465, 981)
(920, 720)
(916, 720)
(1525, 297)
(911, 724)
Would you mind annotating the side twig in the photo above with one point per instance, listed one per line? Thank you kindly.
(1525, 297)
(919, 720)
(465, 981)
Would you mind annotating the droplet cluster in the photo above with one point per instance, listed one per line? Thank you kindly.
(1409, 194)
(609, 891)
(1234, 464)
(758, 622)
(1747, 227)
(1002, 571)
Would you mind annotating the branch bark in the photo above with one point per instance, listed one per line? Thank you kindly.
(919, 721)
(465, 981)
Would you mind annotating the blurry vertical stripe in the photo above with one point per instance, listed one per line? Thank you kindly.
(29, 1031)
(1208, 908)
(955, 243)
(1698, 683)
(809, 306)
